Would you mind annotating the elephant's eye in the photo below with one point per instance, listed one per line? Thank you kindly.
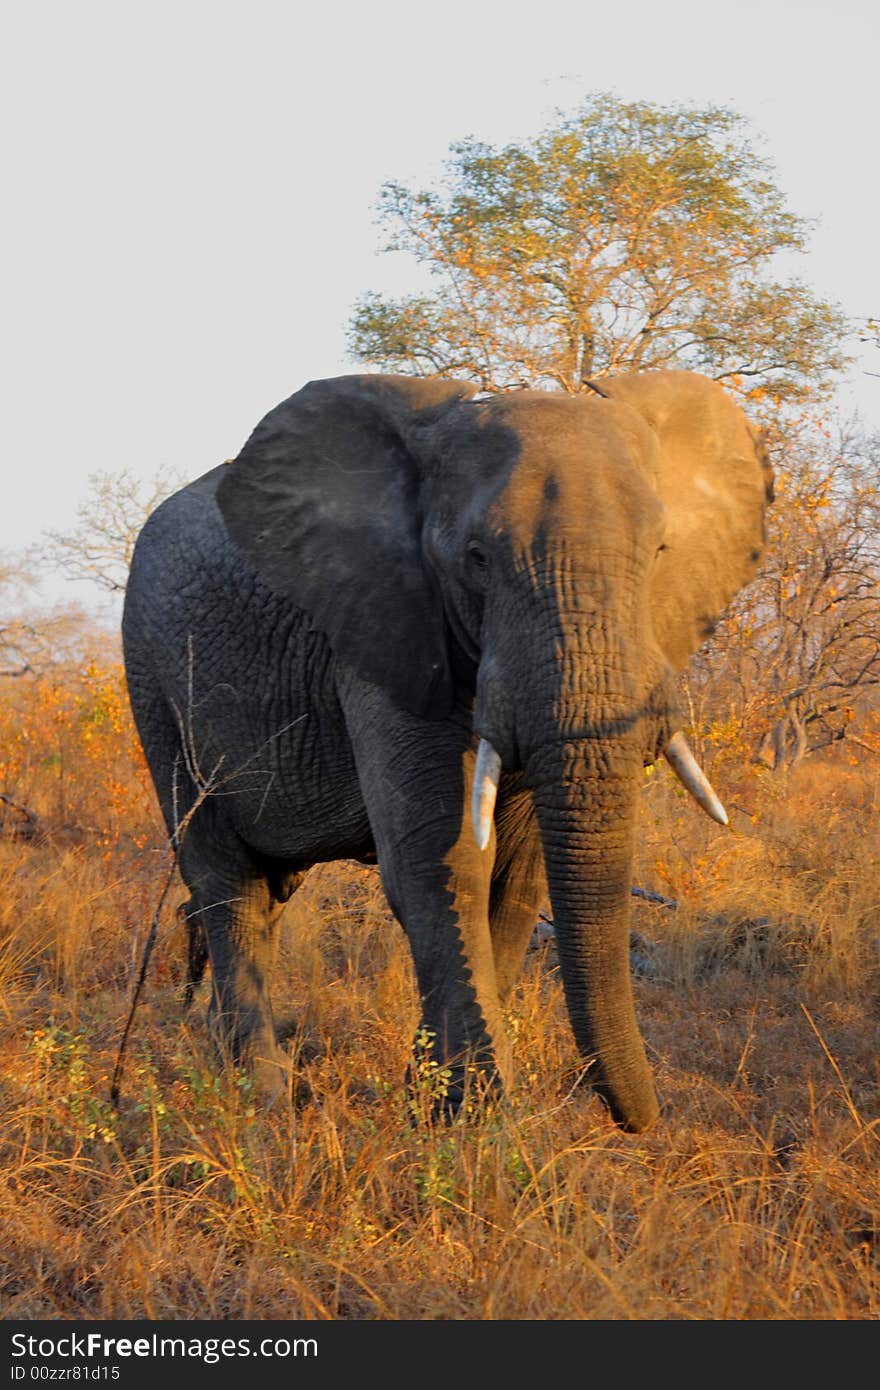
(478, 560)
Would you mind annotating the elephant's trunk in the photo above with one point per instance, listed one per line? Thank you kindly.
(572, 690)
(585, 797)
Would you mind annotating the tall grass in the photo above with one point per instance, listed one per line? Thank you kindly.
(756, 1195)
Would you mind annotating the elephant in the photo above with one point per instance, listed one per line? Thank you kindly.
(437, 629)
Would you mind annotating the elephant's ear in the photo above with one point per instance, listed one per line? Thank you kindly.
(324, 501)
(711, 472)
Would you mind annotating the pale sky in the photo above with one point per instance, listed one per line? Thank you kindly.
(189, 189)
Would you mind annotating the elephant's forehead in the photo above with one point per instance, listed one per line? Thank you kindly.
(545, 416)
(577, 461)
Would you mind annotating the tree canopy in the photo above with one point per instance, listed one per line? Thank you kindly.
(625, 236)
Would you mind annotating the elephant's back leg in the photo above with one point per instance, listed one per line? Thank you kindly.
(235, 895)
(282, 882)
(161, 742)
(233, 921)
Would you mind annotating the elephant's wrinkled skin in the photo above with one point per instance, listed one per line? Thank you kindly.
(321, 630)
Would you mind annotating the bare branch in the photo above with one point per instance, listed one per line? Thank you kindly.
(99, 547)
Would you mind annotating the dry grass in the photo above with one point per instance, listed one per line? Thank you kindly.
(756, 1196)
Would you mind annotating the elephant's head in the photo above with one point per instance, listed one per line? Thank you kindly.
(559, 558)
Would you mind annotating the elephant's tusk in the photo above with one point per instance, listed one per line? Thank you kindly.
(691, 775)
(486, 775)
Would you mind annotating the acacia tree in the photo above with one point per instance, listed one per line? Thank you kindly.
(629, 236)
(626, 236)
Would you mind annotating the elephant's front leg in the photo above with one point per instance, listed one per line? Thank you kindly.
(416, 779)
(519, 882)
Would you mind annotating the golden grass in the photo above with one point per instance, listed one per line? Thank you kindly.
(756, 1196)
